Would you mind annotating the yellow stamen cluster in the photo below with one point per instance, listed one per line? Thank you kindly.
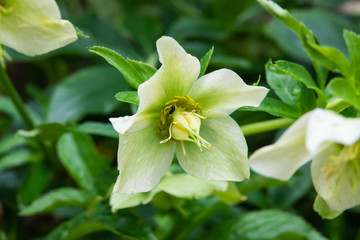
(349, 158)
(181, 120)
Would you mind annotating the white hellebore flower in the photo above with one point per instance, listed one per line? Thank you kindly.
(178, 113)
(333, 142)
(34, 27)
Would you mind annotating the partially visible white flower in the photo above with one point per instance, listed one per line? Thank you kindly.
(333, 142)
(182, 186)
(180, 114)
(34, 27)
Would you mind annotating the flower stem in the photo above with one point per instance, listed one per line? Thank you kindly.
(15, 98)
(264, 126)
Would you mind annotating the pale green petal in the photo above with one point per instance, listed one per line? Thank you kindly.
(282, 159)
(142, 160)
(227, 161)
(34, 27)
(185, 186)
(175, 77)
(121, 200)
(338, 185)
(327, 126)
(224, 91)
(322, 208)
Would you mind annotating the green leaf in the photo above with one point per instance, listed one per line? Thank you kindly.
(98, 128)
(127, 69)
(321, 207)
(331, 58)
(89, 91)
(204, 62)
(100, 218)
(9, 142)
(46, 131)
(269, 225)
(78, 154)
(353, 43)
(129, 97)
(275, 107)
(57, 198)
(291, 91)
(144, 70)
(16, 158)
(301, 74)
(341, 88)
(36, 181)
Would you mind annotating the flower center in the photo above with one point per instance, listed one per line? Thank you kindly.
(181, 120)
(348, 160)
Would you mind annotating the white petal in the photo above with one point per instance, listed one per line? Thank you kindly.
(175, 77)
(224, 91)
(35, 27)
(327, 126)
(142, 160)
(122, 124)
(283, 158)
(227, 161)
(340, 188)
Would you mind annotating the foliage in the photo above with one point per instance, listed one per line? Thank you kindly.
(56, 178)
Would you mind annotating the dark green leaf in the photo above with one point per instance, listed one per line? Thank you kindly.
(36, 181)
(57, 198)
(79, 156)
(100, 218)
(129, 72)
(275, 107)
(90, 91)
(204, 62)
(269, 225)
(341, 88)
(46, 131)
(16, 158)
(98, 128)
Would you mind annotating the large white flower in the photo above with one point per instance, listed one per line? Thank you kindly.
(178, 113)
(34, 27)
(333, 142)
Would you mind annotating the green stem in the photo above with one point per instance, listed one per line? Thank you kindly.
(15, 98)
(264, 126)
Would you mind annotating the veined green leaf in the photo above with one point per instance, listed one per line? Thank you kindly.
(301, 74)
(340, 87)
(127, 69)
(289, 89)
(204, 62)
(128, 96)
(58, 198)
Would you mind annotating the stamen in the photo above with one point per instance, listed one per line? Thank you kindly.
(167, 139)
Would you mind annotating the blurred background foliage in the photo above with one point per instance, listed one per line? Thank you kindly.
(71, 92)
